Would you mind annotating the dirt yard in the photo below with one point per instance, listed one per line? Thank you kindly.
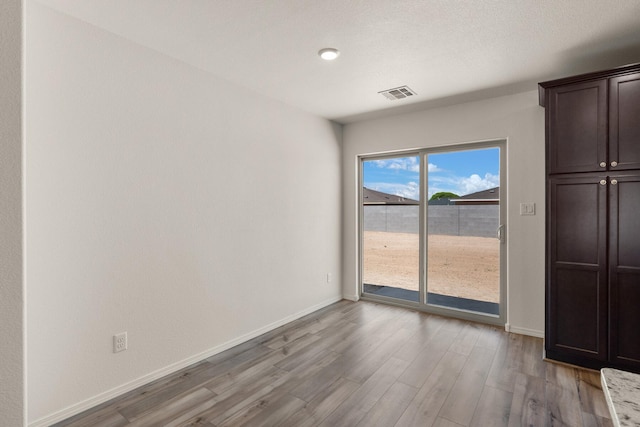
(460, 266)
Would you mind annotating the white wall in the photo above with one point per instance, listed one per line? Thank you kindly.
(11, 259)
(164, 202)
(517, 118)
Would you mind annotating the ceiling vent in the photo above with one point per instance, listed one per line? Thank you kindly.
(398, 93)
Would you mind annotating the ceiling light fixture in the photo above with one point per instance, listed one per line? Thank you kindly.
(329, 53)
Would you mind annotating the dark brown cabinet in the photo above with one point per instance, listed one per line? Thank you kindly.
(577, 245)
(624, 270)
(624, 122)
(593, 218)
(577, 131)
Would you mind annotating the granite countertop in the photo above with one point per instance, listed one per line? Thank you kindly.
(622, 390)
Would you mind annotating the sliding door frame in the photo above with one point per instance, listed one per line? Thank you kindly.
(422, 305)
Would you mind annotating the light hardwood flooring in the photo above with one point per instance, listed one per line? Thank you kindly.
(368, 364)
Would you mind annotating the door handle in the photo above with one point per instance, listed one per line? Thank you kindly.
(500, 233)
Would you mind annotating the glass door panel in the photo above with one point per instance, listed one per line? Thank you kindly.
(390, 227)
(463, 217)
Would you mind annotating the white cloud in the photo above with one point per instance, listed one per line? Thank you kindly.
(437, 181)
(476, 183)
(411, 164)
(401, 163)
(410, 190)
(433, 168)
(462, 185)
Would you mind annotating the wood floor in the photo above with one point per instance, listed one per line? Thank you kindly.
(367, 364)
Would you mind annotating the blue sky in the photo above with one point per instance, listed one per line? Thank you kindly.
(460, 172)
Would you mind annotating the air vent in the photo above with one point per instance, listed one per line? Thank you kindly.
(398, 93)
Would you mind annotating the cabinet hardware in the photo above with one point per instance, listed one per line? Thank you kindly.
(603, 164)
(603, 182)
(614, 164)
(614, 181)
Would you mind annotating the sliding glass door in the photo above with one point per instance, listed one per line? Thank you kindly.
(463, 216)
(391, 225)
(432, 230)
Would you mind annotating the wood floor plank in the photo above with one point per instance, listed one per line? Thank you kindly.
(294, 333)
(412, 348)
(271, 415)
(503, 370)
(233, 352)
(236, 397)
(590, 394)
(532, 362)
(173, 408)
(340, 308)
(228, 407)
(246, 409)
(591, 420)
(158, 399)
(426, 405)
(415, 320)
(322, 379)
(235, 402)
(107, 417)
(562, 399)
(463, 398)
(466, 339)
(493, 409)
(366, 339)
(491, 336)
(443, 422)
(354, 408)
(528, 404)
(367, 364)
(299, 355)
(322, 404)
(390, 406)
(243, 372)
(422, 366)
(371, 362)
(245, 358)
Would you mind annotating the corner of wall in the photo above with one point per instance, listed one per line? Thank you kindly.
(12, 397)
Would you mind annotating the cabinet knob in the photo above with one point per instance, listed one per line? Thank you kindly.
(614, 181)
(603, 182)
(603, 164)
(614, 164)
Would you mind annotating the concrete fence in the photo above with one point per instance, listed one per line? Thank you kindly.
(452, 220)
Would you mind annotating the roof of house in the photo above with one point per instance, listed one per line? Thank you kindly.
(488, 194)
(373, 197)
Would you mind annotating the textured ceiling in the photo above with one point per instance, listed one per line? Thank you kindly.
(447, 51)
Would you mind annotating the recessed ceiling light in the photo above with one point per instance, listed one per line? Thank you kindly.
(329, 53)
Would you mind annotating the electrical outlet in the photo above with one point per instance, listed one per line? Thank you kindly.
(120, 342)
(328, 277)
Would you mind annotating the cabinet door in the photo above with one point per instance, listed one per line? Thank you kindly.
(576, 326)
(624, 122)
(577, 127)
(624, 269)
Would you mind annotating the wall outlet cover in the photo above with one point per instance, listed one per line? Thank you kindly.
(120, 342)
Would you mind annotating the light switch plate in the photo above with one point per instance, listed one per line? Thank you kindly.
(527, 208)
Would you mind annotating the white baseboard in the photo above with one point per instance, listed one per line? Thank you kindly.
(354, 298)
(145, 379)
(524, 331)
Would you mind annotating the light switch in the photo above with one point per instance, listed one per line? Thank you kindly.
(527, 208)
